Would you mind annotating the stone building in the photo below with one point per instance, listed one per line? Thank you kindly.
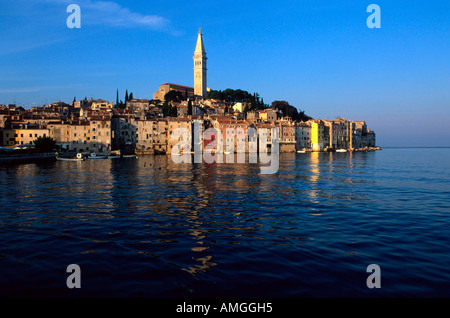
(175, 138)
(302, 136)
(85, 136)
(138, 104)
(167, 87)
(24, 135)
(268, 115)
(317, 134)
(124, 133)
(287, 136)
(234, 134)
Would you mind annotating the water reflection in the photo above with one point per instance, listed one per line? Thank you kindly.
(314, 177)
(192, 217)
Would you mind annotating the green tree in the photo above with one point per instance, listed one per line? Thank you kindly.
(289, 110)
(173, 96)
(44, 144)
(262, 105)
(126, 96)
(245, 111)
(117, 99)
(166, 108)
(174, 111)
(131, 96)
(189, 108)
(213, 94)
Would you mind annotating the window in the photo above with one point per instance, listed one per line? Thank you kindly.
(75, 134)
(31, 135)
(21, 135)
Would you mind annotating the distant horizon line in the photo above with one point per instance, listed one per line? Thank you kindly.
(382, 147)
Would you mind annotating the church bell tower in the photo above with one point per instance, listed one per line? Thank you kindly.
(200, 67)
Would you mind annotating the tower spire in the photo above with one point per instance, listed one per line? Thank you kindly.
(200, 47)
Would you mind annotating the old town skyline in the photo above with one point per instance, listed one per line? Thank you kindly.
(347, 70)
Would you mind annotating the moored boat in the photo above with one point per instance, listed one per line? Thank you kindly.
(94, 156)
(78, 157)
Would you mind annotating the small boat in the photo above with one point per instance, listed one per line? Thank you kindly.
(78, 157)
(301, 151)
(341, 150)
(94, 156)
(129, 156)
(113, 157)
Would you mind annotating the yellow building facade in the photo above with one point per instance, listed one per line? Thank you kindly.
(317, 135)
(23, 137)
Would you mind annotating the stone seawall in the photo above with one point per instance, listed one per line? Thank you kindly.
(26, 158)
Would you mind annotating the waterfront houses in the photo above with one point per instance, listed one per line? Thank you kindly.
(124, 133)
(286, 135)
(93, 125)
(317, 135)
(264, 133)
(234, 133)
(179, 134)
(302, 136)
(347, 134)
(85, 136)
(23, 136)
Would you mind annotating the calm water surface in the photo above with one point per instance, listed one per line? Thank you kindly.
(150, 228)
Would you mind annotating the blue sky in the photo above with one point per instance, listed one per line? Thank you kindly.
(319, 55)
